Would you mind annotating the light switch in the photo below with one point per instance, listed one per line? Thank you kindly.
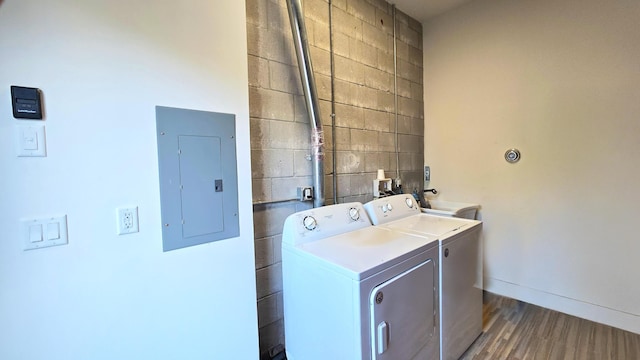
(30, 140)
(53, 231)
(35, 233)
(44, 232)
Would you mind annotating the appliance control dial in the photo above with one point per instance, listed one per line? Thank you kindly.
(389, 207)
(409, 203)
(309, 222)
(354, 214)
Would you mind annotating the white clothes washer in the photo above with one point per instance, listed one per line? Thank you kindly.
(460, 266)
(353, 291)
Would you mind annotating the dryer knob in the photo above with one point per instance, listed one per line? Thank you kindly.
(389, 207)
(309, 222)
(354, 214)
(384, 208)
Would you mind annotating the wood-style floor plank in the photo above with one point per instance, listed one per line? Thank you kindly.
(515, 330)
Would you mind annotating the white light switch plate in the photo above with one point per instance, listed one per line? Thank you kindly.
(30, 140)
(44, 232)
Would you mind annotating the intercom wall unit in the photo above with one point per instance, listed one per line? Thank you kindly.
(26, 103)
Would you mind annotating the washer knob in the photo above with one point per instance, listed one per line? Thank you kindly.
(354, 214)
(389, 207)
(408, 202)
(309, 222)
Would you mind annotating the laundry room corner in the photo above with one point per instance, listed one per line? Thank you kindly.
(354, 57)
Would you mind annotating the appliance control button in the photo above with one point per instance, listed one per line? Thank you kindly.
(354, 214)
(389, 207)
(409, 203)
(309, 222)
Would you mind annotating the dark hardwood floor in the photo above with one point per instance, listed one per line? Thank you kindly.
(516, 330)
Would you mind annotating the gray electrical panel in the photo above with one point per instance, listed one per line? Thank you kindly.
(198, 176)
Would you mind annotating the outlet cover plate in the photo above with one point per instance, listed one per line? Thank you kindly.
(127, 220)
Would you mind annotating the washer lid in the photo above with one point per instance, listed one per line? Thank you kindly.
(438, 226)
(362, 253)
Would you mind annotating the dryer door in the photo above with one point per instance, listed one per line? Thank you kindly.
(402, 314)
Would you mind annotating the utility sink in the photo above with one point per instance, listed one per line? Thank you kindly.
(452, 209)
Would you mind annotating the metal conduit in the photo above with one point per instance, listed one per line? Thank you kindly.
(298, 28)
(395, 93)
(333, 106)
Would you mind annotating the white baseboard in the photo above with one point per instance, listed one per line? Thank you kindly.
(600, 314)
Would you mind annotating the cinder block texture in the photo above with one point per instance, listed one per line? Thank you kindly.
(364, 117)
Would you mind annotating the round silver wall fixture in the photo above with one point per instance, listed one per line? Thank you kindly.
(512, 155)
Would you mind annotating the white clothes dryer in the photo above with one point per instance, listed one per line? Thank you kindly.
(460, 255)
(353, 291)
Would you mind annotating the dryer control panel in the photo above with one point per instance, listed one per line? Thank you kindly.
(322, 222)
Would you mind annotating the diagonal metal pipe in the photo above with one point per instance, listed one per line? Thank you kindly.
(301, 43)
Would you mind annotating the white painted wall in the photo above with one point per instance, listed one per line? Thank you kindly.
(559, 80)
(103, 66)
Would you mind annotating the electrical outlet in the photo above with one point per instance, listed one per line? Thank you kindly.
(305, 193)
(127, 220)
(427, 173)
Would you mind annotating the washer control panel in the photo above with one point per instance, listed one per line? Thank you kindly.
(391, 208)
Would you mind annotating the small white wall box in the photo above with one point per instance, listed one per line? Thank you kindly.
(380, 186)
(198, 176)
(30, 140)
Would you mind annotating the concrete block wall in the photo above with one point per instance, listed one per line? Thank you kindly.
(365, 123)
